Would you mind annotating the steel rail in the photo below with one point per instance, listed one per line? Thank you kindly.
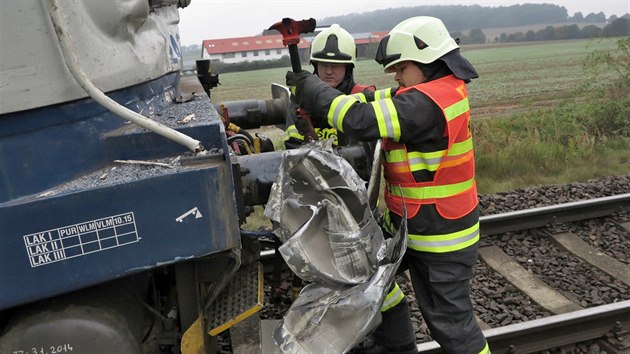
(548, 215)
(519, 220)
(553, 331)
(558, 330)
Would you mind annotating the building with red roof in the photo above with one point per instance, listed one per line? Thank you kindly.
(270, 47)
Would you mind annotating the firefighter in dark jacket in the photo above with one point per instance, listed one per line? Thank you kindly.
(333, 56)
(429, 161)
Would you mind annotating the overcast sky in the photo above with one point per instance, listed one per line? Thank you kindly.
(211, 19)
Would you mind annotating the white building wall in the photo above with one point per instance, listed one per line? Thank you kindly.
(238, 57)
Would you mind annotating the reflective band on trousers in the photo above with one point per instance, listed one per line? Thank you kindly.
(431, 192)
(338, 109)
(387, 118)
(445, 242)
(437, 243)
(485, 350)
(393, 298)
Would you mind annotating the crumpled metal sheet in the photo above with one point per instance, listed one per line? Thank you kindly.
(331, 239)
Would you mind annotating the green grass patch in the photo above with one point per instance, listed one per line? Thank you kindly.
(574, 140)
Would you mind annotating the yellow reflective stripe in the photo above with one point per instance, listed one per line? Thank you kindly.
(327, 133)
(378, 113)
(425, 160)
(393, 298)
(387, 118)
(381, 94)
(456, 109)
(428, 160)
(398, 155)
(461, 147)
(387, 223)
(445, 242)
(360, 96)
(431, 192)
(485, 350)
(338, 109)
(427, 155)
(292, 132)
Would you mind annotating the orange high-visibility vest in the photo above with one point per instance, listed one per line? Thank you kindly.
(360, 88)
(453, 189)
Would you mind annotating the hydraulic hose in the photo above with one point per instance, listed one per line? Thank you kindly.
(70, 57)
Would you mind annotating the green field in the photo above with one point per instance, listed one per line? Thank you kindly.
(533, 121)
(509, 75)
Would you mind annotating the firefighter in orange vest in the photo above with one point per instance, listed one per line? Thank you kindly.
(427, 142)
(333, 56)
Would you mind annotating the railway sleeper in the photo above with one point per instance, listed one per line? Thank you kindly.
(521, 278)
(573, 244)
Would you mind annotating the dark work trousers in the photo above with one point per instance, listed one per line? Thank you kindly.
(396, 332)
(441, 282)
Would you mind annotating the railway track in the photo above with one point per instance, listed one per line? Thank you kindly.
(554, 271)
(567, 320)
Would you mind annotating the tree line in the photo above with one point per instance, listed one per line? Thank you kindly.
(465, 17)
(618, 28)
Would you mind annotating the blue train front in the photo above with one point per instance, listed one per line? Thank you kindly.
(113, 235)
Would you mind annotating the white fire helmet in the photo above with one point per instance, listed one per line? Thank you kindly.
(421, 39)
(334, 45)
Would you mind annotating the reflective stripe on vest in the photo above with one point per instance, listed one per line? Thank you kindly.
(387, 118)
(338, 109)
(452, 189)
(457, 109)
(393, 298)
(430, 160)
(417, 160)
(431, 192)
(446, 242)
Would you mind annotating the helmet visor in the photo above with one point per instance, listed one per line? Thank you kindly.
(381, 53)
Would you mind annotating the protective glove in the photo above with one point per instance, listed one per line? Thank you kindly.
(294, 79)
(304, 125)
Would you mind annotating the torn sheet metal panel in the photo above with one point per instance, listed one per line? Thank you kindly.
(334, 319)
(328, 232)
(331, 239)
